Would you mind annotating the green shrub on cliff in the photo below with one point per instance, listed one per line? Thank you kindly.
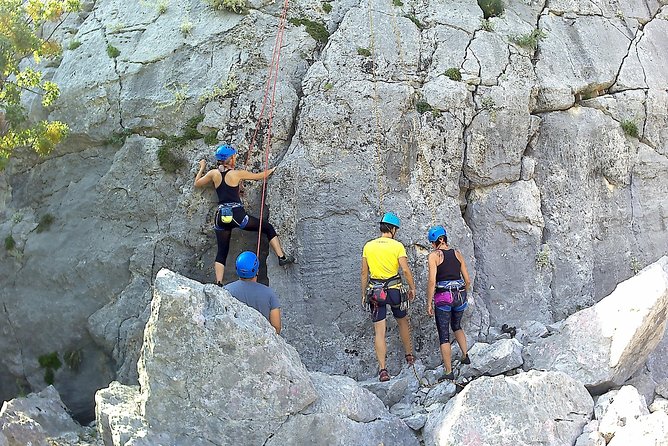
(21, 37)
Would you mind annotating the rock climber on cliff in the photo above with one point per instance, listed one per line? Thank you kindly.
(382, 286)
(230, 213)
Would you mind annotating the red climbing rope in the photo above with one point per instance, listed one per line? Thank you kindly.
(272, 78)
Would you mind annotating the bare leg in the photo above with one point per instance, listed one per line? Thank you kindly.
(461, 340)
(276, 246)
(405, 334)
(379, 342)
(219, 268)
(446, 353)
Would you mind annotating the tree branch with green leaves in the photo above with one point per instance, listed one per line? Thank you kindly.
(21, 36)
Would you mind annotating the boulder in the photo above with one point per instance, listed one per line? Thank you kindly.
(399, 387)
(117, 410)
(659, 404)
(648, 430)
(604, 345)
(343, 414)
(36, 419)
(590, 435)
(618, 408)
(549, 408)
(204, 347)
(440, 393)
(494, 359)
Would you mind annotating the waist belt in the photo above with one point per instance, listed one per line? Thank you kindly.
(451, 285)
(385, 283)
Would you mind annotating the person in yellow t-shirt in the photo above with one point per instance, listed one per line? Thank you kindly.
(381, 259)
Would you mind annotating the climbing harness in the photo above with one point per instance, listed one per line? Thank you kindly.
(376, 293)
(224, 214)
(449, 293)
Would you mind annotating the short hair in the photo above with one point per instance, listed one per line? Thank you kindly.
(386, 228)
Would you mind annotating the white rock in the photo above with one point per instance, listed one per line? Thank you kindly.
(535, 407)
(616, 409)
(605, 344)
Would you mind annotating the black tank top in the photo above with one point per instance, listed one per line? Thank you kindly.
(450, 268)
(227, 194)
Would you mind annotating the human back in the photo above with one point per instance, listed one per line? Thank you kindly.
(382, 255)
(254, 294)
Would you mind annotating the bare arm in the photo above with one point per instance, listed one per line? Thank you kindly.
(275, 319)
(201, 181)
(431, 281)
(364, 279)
(465, 272)
(235, 176)
(403, 262)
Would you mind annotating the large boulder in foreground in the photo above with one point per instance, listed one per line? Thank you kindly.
(602, 346)
(214, 372)
(547, 408)
(213, 367)
(344, 414)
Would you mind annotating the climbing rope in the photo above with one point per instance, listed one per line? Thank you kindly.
(270, 98)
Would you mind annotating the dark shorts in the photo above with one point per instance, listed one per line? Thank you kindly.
(450, 317)
(379, 312)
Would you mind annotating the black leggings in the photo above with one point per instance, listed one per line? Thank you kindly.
(224, 234)
(446, 319)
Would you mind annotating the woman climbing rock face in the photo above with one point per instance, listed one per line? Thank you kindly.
(230, 213)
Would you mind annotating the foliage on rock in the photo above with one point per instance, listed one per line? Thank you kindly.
(170, 162)
(20, 38)
(236, 6)
(314, 29)
(491, 8)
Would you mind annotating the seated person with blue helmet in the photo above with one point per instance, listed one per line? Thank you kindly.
(447, 282)
(252, 293)
(231, 213)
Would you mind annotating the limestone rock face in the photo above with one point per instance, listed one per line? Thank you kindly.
(546, 407)
(524, 160)
(205, 347)
(605, 344)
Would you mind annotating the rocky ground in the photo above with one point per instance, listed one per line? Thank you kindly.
(213, 372)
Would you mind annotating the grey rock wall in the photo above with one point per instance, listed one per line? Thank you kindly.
(524, 161)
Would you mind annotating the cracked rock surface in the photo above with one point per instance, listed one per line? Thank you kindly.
(525, 161)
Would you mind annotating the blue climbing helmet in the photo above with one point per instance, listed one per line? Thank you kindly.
(247, 265)
(224, 152)
(435, 232)
(391, 219)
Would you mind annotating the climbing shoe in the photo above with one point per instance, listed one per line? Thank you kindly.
(447, 377)
(383, 375)
(410, 359)
(465, 360)
(286, 260)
